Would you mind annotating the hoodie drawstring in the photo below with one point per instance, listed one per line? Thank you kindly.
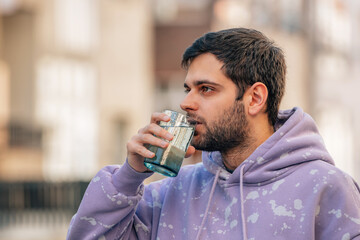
(242, 203)
(208, 204)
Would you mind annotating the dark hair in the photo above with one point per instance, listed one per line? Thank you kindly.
(248, 57)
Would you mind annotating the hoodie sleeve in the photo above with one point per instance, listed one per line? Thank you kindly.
(338, 213)
(108, 208)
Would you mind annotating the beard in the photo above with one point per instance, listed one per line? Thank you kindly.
(230, 130)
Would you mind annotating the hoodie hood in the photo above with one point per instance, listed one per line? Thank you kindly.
(296, 140)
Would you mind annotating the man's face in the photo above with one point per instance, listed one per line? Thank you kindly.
(221, 122)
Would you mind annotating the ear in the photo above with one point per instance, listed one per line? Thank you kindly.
(257, 97)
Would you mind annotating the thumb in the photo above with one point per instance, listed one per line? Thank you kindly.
(190, 151)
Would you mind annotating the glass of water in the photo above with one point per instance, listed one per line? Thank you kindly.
(167, 161)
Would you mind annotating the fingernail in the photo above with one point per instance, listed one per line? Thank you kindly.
(169, 136)
(163, 144)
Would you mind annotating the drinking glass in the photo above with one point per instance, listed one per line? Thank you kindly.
(167, 161)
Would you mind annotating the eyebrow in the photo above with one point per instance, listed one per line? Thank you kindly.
(200, 82)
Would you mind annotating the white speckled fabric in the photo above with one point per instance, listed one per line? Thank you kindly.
(290, 190)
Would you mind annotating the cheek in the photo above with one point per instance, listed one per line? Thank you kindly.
(215, 112)
(214, 108)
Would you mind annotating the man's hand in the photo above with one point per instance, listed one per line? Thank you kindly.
(136, 151)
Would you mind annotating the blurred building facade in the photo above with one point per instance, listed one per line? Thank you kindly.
(79, 81)
(79, 78)
(76, 80)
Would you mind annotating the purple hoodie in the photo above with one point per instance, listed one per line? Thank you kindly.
(288, 188)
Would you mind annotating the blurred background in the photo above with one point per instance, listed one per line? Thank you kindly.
(79, 77)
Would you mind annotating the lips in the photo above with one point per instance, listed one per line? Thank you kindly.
(196, 123)
(193, 121)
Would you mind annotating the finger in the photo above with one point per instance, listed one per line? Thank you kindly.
(135, 148)
(147, 139)
(156, 130)
(190, 151)
(157, 117)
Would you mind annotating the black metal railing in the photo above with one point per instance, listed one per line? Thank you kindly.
(42, 203)
(24, 135)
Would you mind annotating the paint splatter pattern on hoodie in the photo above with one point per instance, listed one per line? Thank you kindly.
(287, 189)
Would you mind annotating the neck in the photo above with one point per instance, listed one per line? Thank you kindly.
(232, 158)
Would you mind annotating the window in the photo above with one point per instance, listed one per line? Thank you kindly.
(66, 107)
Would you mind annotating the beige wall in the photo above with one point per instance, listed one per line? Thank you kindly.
(4, 104)
(18, 53)
(125, 75)
(296, 52)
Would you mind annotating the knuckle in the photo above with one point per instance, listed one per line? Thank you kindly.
(130, 145)
(141, 130)
(134, 138)
(153, 126)
(143, 138)
(154, 115)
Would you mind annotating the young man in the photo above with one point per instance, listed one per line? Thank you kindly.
(265, 173)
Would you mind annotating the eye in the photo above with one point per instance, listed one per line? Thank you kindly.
(186, 90)
(205, 89)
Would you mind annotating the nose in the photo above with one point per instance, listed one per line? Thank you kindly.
(189, 103)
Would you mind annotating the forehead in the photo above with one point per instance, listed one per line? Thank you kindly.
(206, 67)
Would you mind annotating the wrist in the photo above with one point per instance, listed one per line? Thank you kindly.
(127, 180)
(137, 166)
